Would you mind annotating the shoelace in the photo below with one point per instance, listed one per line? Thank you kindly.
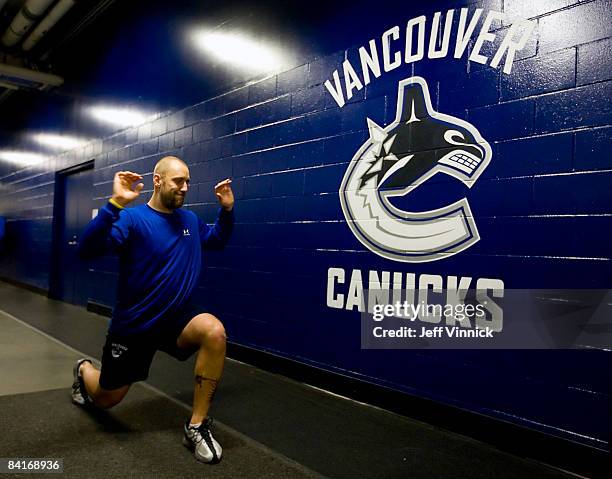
(203, 432)
(77, 386)
(78, 383)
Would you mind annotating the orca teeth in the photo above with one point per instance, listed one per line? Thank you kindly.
(464, 159)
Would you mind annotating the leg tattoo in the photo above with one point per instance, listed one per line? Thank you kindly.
(200, 380)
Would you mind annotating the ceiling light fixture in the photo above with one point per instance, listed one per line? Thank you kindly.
(22, 158)
(60, 142)
(118, 116)
(239, 50)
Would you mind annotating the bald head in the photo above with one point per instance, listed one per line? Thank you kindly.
(168, 163)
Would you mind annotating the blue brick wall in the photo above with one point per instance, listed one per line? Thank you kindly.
(544, 210)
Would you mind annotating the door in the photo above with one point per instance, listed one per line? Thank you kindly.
(74, 273)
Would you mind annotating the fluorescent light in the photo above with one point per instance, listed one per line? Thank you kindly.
(22, 158)
(62, 142)
(118, 116)
(239, 50)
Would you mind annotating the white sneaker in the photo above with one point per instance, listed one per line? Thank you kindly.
(79, 393)
(201, 442)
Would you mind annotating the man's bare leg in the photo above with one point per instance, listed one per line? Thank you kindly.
(101, 397)
(206, 332)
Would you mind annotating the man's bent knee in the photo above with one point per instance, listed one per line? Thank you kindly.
(204, 330)
(106, 399)
(215, 337)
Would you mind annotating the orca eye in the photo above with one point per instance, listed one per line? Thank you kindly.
(454, 137)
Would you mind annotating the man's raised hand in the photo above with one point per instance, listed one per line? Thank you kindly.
(124, 190)
(225, 195)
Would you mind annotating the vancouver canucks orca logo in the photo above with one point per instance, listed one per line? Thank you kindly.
(397, 159)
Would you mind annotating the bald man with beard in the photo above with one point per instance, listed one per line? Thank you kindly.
(159, 247)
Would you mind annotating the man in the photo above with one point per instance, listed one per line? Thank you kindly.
(159, 247)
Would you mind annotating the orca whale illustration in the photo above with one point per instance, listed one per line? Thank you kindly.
(397, 159)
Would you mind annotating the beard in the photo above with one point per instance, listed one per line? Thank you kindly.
(172, 199)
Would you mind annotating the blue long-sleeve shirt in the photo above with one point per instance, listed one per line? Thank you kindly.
(159, 258)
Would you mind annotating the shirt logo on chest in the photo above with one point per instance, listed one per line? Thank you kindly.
(186, 232)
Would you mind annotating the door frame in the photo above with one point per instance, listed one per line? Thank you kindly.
(59, 221)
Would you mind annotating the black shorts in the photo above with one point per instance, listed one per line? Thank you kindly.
(127, 359)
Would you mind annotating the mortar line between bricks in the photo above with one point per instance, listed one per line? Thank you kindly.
(568, 7)
(541, 95)
(554, 133)
(548, 175)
